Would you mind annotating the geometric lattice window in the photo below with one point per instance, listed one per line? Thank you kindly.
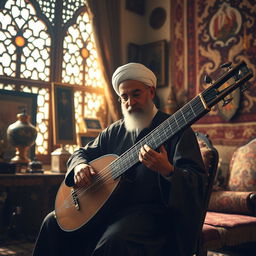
(28, 46)
(48, 8)
(24, 43)
(42, 117)
(80, 65)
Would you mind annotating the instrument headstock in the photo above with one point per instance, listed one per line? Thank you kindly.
(223, 86)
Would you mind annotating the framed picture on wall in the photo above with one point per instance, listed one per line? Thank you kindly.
(63, 115)
(154, 56)
(11, 104)
(92, 124)
(136, 6)
(133, 52)
(86, 137)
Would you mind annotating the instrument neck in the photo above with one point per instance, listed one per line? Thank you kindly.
(183, 118)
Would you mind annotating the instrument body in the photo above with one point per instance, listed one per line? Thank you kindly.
(90, 202)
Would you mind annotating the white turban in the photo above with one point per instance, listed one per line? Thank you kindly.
(133, 71)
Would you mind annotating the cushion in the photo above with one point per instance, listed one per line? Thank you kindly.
(239, 228)
(207, 156)
(243, 168)
(231, 202)
(226, 220)
(207, 151)
(211, 237)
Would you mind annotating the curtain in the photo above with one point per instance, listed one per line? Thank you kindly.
(106, 25)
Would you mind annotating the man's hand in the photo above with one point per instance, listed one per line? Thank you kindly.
(156, 161)
(83, 175)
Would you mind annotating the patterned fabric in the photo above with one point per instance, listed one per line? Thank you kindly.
(211, 238)
(230, 202)
(207, 156)
(195, 49)
(228, 221)
(207, 153)
(243, 168)
(239, 229)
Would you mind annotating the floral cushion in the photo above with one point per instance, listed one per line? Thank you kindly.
(208, 155)
(239, 228)
(225, 220)
(243, 168)
(211, 237)
(231, 202)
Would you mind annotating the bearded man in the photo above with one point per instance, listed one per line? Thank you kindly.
(159, 211)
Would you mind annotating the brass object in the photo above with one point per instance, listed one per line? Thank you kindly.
(59, 158)
(35, 166)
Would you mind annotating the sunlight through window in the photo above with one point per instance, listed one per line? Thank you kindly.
(30, 51)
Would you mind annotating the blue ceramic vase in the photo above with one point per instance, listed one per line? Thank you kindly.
(22, 135)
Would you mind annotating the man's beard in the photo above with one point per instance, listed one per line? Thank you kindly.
(140, 119)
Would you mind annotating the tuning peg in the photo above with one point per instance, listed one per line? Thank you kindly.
(207, 79)
(226, 101)
(226, 65)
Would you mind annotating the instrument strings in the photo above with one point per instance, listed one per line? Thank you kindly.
(106, 173)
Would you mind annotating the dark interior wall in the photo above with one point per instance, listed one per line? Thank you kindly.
(137, 29)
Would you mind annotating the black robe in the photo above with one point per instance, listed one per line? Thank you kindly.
(180, 196)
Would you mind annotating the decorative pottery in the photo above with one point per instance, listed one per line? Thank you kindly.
(22, 135)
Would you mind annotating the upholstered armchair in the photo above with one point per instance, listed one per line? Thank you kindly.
(231, 212)
(210, 158)
(240, 193)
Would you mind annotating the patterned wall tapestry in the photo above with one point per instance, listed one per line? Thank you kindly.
(206, 34)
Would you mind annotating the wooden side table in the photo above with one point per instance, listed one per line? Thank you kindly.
(31, 195)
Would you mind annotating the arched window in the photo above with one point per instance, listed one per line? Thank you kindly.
(48, 42)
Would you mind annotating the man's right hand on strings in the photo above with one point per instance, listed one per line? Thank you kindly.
(83, 175)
